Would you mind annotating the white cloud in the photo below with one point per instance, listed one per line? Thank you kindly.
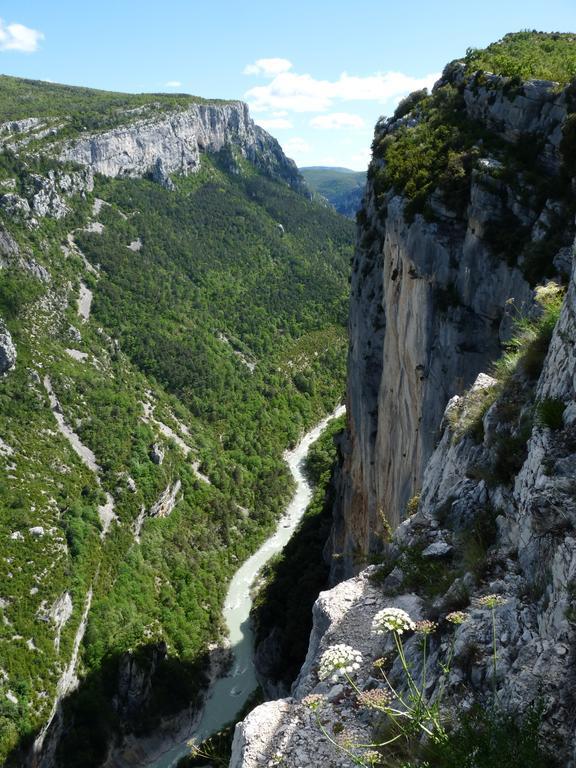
(268, 67)
(275, 123)
(17, 37)
(360, 160)
(172, 84)
(281, 113)
(303, 93)
(337, 120)
(296, 146)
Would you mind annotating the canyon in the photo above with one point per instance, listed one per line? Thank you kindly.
(172, 319)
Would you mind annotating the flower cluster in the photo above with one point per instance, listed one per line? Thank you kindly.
(457, 617)
(313, 701)
(491, 601)
(374, 699)
(338, 660)
(392, 620)
(371, 757)
(194, 748)
(425, 627)
(384, 662)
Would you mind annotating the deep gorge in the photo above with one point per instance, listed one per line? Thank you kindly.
(175, 313)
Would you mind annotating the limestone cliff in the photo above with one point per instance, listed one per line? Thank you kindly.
(434, 292)
(173, 141)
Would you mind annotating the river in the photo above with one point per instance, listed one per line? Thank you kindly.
(228, 695)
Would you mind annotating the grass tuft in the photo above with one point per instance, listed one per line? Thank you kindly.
(549, 413)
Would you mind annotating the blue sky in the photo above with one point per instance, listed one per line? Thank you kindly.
(316, 74)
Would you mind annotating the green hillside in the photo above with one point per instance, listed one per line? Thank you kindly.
(83, 108)
(342, 187)
(216, 337)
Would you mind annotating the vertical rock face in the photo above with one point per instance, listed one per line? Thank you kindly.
(432, 302)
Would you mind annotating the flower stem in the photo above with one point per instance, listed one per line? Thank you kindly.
(342, 748)
(494, 654)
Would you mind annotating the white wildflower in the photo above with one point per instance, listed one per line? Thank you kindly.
(492, 601)
(457, 617)
(338, 660)
(392, 620)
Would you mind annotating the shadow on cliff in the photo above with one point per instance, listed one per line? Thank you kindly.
(282, 612)
(131, 693)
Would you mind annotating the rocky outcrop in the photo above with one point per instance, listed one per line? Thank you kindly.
(166, 501)
(156, 453)
(432, 302)
(515, 111)
(7, 350)
(59, 614)
(8, 247)
(173, 143)
(16, 134)
(46, 196)
(514, 538)
(287, 730)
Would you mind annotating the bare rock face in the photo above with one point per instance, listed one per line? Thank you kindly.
(429, 310)
(47, 194)
(157, 453)
(172, 143)
(15, 206)
(529, 108)
(166, 501)
(8, 246)
(7, 350)
(267, 660)
(160, 175)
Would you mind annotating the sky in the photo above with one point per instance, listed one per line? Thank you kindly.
(317, 74)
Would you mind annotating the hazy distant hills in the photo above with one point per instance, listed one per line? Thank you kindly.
(341, 187)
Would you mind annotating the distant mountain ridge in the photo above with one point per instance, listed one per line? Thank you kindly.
(341, 187)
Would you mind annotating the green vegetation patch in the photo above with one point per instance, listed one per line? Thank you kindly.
(550, 412)
(487, 736)
(527, 55)
(516, 373)
(439, 151)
